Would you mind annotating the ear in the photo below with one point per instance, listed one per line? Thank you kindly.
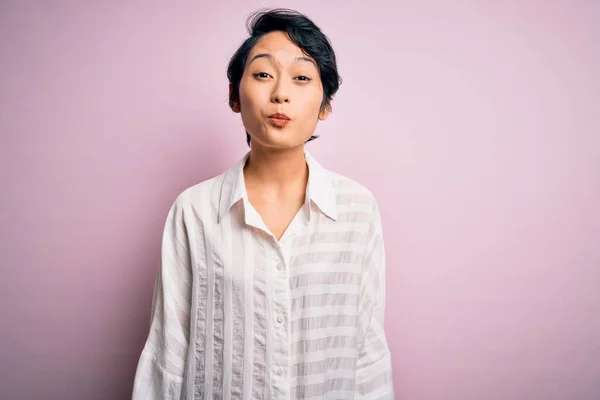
(235, 106)
(325, 113)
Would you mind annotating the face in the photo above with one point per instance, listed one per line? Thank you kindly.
(279, 78)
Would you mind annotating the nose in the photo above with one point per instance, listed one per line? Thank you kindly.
(280, 93)
(280, 99)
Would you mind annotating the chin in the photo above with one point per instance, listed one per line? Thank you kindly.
(275, 138)
(277, 143)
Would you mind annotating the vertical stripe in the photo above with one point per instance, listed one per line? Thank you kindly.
(199, 381)
(249, 314)
(269, 323)
(208, 356)
(260, 321)
(188, 388)
(227, 307)
(238, 295)
(218, 313)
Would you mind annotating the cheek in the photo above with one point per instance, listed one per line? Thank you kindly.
(317, 95)
(252, 94)
(312, 102)
(244, 100)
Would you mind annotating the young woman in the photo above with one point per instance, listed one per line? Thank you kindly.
(272, 280)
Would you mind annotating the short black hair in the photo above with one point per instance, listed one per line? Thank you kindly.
(301, 31)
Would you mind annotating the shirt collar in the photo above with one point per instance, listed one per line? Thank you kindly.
(319, 189)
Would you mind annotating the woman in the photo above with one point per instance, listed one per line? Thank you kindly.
(272, 280)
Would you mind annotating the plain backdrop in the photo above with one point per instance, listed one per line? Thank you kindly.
(475, 124)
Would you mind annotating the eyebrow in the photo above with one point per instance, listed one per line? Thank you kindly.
(270, 57)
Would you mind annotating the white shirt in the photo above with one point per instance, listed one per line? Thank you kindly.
(238, 315)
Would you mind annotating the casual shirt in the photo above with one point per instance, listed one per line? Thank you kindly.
(237, 314)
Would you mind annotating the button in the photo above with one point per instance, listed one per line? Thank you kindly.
(280, 266)
(280, 371)
(279, 319)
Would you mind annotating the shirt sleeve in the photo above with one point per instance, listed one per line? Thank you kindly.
(374, 366)
(161, 368)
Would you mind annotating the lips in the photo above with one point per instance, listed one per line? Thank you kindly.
(279, 120)
(279, 116)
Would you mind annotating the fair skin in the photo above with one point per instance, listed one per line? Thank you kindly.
(278, 78)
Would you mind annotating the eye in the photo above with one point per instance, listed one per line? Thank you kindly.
(261, 75)
(303, 78)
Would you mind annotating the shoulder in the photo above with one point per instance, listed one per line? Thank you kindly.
(350, 192)
(202, 197)
(357, 201)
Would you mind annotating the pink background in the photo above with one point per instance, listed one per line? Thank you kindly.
(476, 125)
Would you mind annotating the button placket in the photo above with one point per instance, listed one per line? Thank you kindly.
(281, 354)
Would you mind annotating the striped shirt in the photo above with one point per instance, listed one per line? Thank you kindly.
(237, 314)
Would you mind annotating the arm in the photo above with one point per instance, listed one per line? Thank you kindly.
(374, 367)
(160, 370)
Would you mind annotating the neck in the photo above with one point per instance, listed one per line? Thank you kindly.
(280, 170)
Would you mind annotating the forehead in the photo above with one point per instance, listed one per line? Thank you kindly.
(279, 45)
